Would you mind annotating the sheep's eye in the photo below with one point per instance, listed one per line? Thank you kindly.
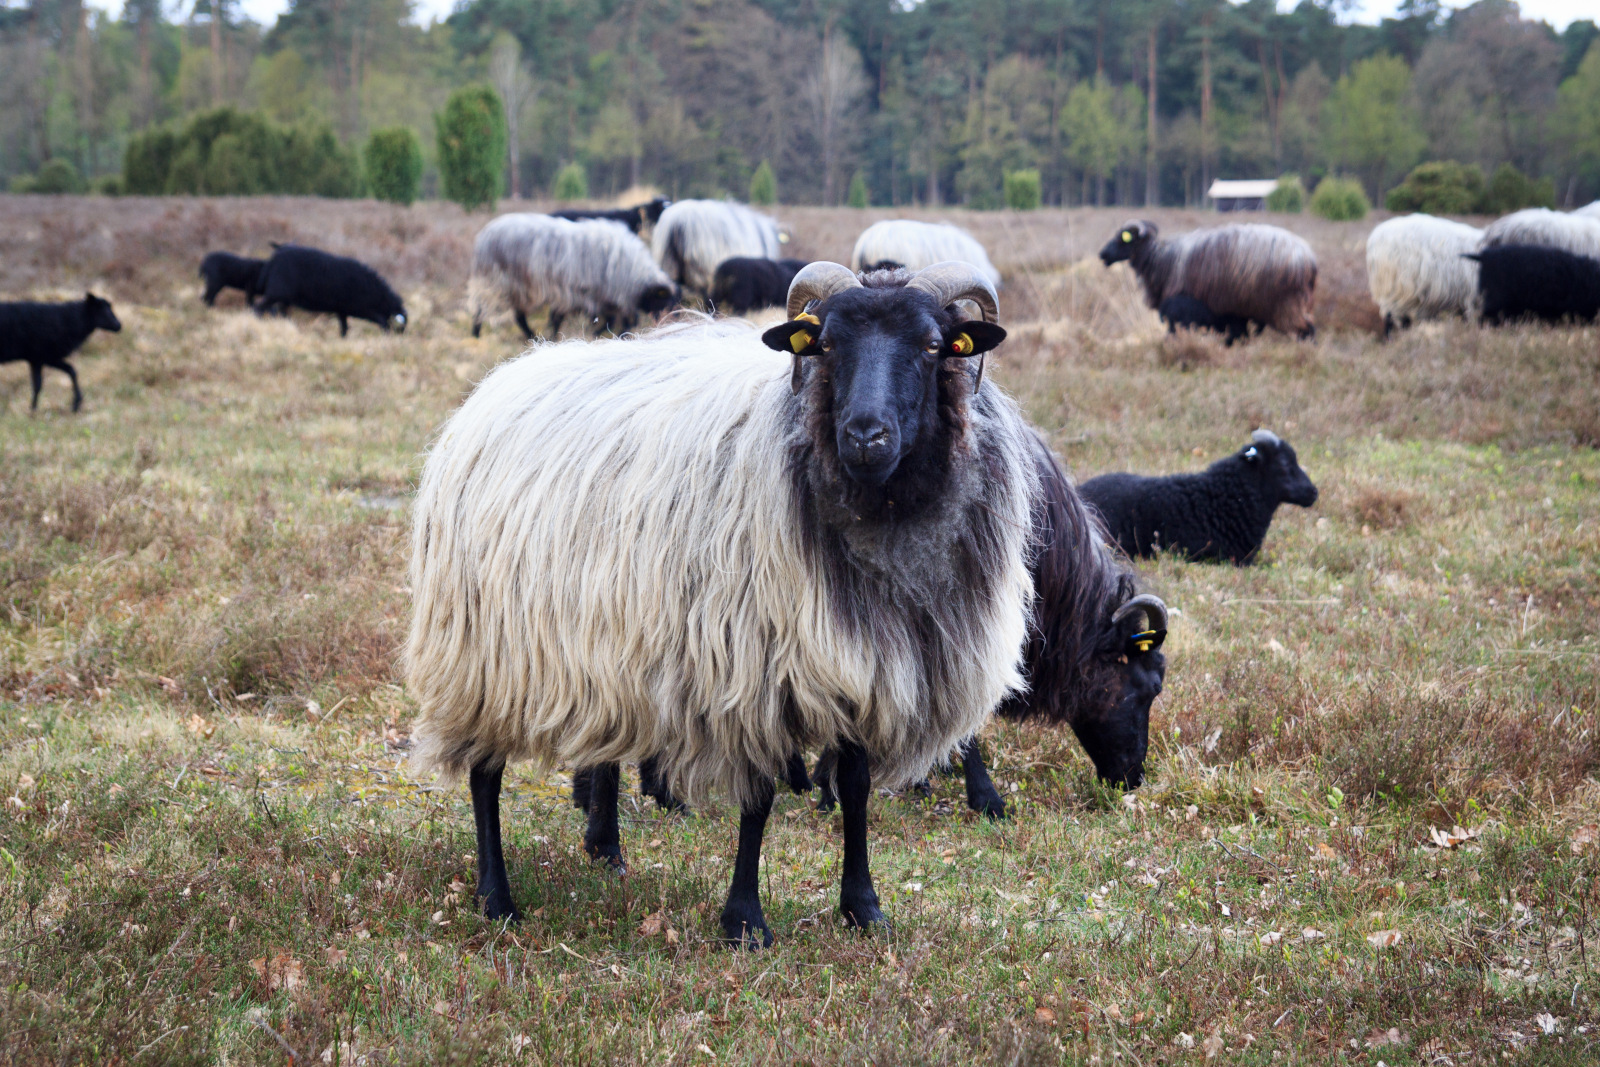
(827, 346)
(933, 347)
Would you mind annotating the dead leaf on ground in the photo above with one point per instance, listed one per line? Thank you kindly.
(1380, 1038)
(1044, 1017)
(1583, 837)
(1212, 1045)
(335, 956)
(1384, 938)
(1450, 840)
(200, 728)
(279, 972)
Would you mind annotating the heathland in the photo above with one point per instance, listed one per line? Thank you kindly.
(1369, 831)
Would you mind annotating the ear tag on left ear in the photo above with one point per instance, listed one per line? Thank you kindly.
(806, 316)
(1127, 237)
(800, 340)
(961, 345)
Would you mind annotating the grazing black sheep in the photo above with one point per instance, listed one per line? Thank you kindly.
(314, 280)
(1191, 313)
(745, 283)
(633, 218)
(1222, 513)
(224, 270)
(1547, 283)
(45, 335)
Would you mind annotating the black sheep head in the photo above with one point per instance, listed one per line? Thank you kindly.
(100, 314)
(1115, 729)
(1272, 461)
(880, 348)
(1126, 243)
(657, 298)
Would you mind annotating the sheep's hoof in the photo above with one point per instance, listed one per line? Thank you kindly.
(989, 804)
(610, 855)
(827, 799)
(744, 927)
(864, 914)
(498, 906)
(922, 789)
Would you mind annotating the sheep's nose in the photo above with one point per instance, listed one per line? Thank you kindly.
(867, 436)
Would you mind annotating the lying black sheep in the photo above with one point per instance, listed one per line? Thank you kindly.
(1222, 513)
(313, 280)
(45, 335)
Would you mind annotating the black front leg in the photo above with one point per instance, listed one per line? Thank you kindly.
(494, 887)
(982, 796)
(743, 924)
(600, 838)
(556, 318)
(36, 376)
(77, 394)
(858, 901)
(795, 776)
(344, 325)
(522, 323)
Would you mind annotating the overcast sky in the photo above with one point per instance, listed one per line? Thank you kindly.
(1556, 12)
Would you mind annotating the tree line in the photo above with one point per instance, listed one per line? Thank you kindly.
(887, 102)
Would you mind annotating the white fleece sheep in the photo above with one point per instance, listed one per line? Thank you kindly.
(1576, 233)
(915, 245)
(694, 236)
(611, 561)
(594, 268)
(1591, 210)
(1416, 269)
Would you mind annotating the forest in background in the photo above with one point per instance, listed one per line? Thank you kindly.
(928, 102)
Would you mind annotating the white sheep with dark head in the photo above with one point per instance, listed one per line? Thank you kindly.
(690, 547)
(591, 267)
(1417, 270)
(694, 236)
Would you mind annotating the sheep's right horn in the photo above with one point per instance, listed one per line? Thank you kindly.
(1153, 607)
(818, 281)
(954, 280)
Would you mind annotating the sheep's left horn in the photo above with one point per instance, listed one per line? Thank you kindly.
(1153, 607)
(818, 281)
(953, 280)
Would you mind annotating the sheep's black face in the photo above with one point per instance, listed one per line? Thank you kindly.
(1278, 466)
(101, 316)
(656, 299)
(1126, 242)
(881, 349)
(1117, 735)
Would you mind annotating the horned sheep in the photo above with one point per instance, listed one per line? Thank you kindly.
(1416, 269)
(1219, 514)
(591, 267)
(914, 245)
(823, 548)
(1575, 233)
(695, 236)
(1262, 273)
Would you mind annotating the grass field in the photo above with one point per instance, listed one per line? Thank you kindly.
(212, 851)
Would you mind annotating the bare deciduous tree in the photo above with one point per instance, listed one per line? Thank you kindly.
(518, 91)
(835, 87)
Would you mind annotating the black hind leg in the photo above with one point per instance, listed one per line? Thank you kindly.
(795, 776)
(981, 793)
(601, 838)
(827, 798)
(344, 326)
(77, 394)
(554, 328)
(652, 784)
(522, 324)
(582, 787)
(36, 376)
(494, 886)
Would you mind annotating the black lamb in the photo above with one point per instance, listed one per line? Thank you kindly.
(313, 280)
(1547, 283)
(224, 270)
(746, 283)
(1220, 514)
(1191, 313)
(45, 335)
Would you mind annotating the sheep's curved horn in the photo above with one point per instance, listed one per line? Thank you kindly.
(953, 280)
(818, 281)
(1154, 607)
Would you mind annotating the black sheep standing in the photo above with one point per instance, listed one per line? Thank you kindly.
(45, 335)
(1221, 513)
(224, 270)
(313, 280)
(1547, 283)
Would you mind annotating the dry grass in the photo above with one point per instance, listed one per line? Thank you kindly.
(202, 588)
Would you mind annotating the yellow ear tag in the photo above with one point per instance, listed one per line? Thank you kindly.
(806, 316)
(961, 345)
(1127, 238)
(800, 340)
(1144, 646)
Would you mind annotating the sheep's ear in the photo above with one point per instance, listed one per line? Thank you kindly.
(973, 338)
(798, 337)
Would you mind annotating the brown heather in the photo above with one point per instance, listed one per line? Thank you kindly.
(211, 849)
